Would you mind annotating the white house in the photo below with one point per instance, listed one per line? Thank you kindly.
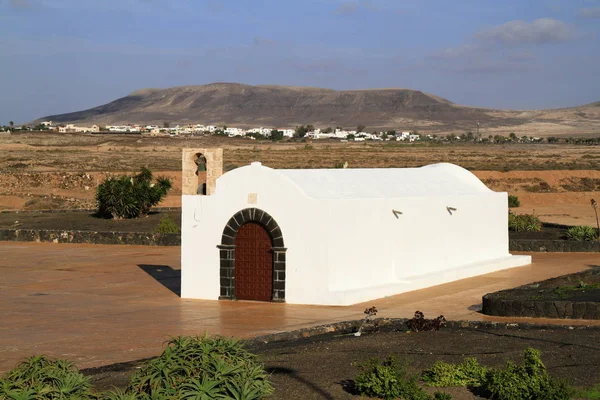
(334, 236)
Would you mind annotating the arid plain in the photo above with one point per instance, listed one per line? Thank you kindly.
(58, 171)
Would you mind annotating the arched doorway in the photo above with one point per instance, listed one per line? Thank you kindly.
(253, 263)
(253, 243)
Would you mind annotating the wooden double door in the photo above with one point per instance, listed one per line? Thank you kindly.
(253, 263)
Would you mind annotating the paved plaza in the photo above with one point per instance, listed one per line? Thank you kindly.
(98, 305)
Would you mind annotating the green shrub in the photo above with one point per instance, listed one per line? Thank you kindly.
(129, 197)
(387, 380)
(167, 225)
(442, 396)
(39, 377)
(582, 233)
(524, 223)
(118, 394)
(528, 381)
(468, 373)
(202, 368)
(592, 393)
(513, 201)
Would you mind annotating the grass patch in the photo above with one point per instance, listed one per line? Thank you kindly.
(524, 223)
(589, 393)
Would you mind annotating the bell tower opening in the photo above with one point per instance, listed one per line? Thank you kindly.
(200, 162)
(200, 170)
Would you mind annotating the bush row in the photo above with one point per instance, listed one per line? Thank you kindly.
(527, 381)
(221, 368)
(524, 223)
(583, 233)
(189, 367)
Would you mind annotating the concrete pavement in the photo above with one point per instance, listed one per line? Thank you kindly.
(98, 305)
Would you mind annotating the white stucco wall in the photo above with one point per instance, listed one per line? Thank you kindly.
(344, 247)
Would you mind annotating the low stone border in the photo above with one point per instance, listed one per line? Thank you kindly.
(90, 237)
(559, 246)
(493, 304)
(399, 325)
(174, 239)
(75, 210)
(348, 328)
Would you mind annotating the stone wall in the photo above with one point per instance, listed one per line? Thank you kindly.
(174, 239)
(494, 304)
(90, 237)
(559, 246)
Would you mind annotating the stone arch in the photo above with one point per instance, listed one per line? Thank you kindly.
(227, 252)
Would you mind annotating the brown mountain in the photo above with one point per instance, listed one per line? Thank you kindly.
(279, 106)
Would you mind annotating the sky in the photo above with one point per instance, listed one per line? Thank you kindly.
(59, 56)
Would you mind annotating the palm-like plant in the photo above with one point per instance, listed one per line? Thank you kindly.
(40, 378)
(202, 368)
(130, 196)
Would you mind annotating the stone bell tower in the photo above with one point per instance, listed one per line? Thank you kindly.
(200, 170)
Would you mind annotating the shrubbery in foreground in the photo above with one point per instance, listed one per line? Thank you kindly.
(582, 233)
(389, 380)
(202, 367)
(38, 377)
(167, 225)
(189, 368)
(528, 381)
(130, 196)
(524, 223)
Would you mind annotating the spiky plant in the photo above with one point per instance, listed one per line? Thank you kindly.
(40, 378)
(130, 196)
(202, 368)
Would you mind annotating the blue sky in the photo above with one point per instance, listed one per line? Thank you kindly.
(60, 56)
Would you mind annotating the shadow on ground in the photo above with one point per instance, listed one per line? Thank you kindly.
(306, 383)
(165, 275)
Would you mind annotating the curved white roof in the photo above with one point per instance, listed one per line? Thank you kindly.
(433, 180)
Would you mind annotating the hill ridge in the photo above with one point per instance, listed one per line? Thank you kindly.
(237, 104)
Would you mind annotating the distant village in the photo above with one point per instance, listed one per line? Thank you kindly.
(359, 134)
(307, 131)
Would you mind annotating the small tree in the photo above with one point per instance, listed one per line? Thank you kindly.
(360, 128)
(167, 225)
(130, 197)
(11, 123)
(301, 131)
(276, 135)
(594, 204)
(513, 201)
(166, 124)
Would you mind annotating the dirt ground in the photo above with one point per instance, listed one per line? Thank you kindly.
(322, 368)
(61, 171)
(84, 221)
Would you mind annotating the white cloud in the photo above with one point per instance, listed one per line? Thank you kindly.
(540, 31)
